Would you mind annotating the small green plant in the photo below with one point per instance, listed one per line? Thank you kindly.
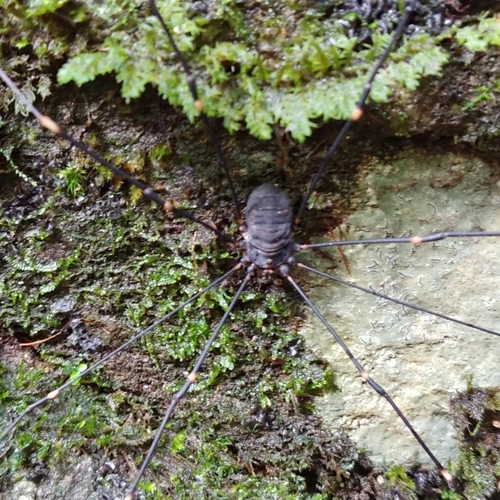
(397, 477)
(483, 93)
(312, 71)
(478, 37)
(14, 168)
(73, 180)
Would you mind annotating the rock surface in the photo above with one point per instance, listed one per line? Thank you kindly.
(419, 359)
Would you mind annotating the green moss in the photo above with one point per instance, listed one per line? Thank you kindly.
(483, 93)
(72, 178)
(143, 273)
(12, 167)
(113, 268)
(398, 478)
(475, 415)
(68, 427)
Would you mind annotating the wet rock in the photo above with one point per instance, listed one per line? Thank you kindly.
(64, 304)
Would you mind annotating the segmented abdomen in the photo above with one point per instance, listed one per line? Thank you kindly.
(269, 225)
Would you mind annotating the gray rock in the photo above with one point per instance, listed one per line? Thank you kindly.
(64, 304)
(419, 359)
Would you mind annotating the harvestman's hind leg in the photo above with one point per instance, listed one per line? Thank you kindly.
(421, 360)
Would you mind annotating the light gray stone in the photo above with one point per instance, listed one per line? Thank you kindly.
(420, 360)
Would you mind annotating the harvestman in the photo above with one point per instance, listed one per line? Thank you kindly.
(267, 246)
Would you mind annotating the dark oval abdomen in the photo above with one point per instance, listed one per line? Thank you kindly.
(269, 221)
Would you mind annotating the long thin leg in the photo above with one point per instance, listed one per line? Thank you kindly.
(396, 301)
(415, 240)
(358, 110)
(53, 394)
(198, 104)
(191, 379)
(367, 378)
(52, 126)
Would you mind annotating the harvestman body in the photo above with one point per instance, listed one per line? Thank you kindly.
(268, 245)
(268, 232)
